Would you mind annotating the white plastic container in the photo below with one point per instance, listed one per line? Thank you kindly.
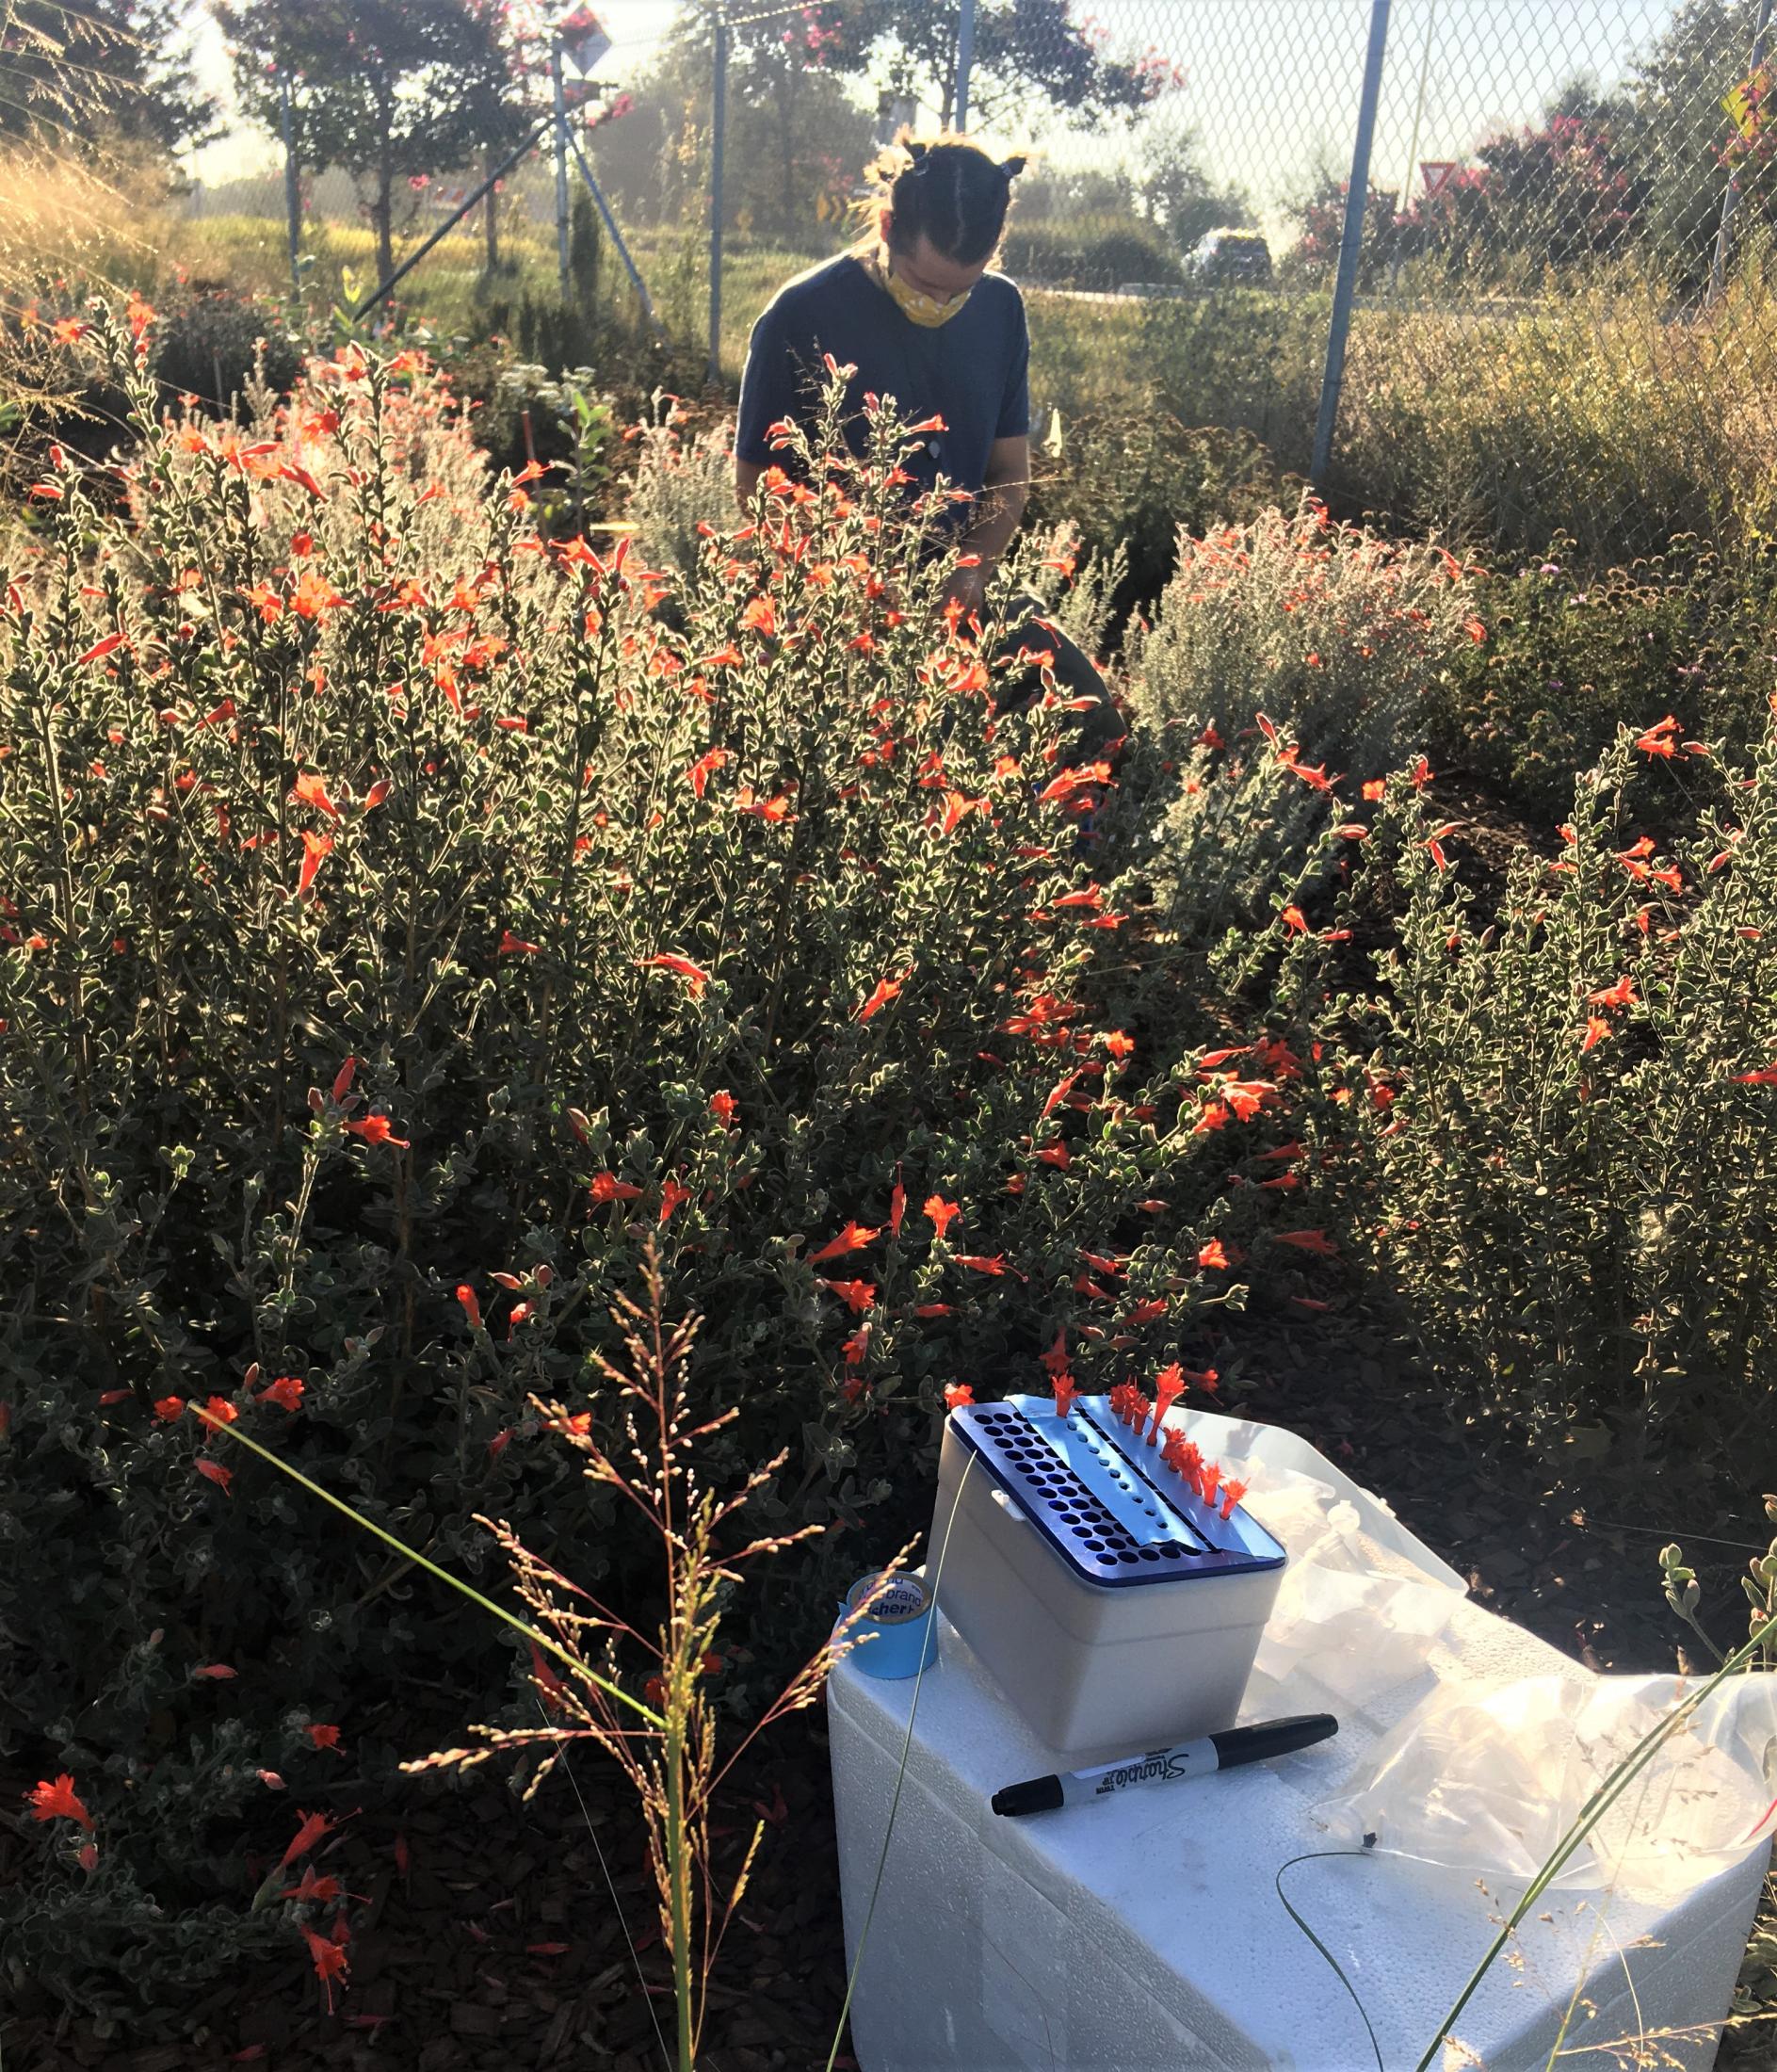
(1146, 1933)
(1116, 1610)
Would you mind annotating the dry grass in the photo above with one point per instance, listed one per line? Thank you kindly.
(1605, 415)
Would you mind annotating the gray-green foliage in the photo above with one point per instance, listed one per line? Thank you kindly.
(1564, 1111)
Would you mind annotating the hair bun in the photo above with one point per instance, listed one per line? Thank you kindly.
(1010, 168)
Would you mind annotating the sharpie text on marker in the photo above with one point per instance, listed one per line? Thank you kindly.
(1198, 1758)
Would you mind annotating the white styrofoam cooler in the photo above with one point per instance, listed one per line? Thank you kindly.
(1145, 1933)
(1116, 1610)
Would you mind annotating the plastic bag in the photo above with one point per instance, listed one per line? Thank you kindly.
(1488, 1779)
(1361, 1604)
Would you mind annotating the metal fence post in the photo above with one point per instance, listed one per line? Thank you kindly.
(1731, 200)
(561, 95)
(292, 188)
(616, 236)
(965, 60)
(1350, 244)
(719, 113)
(455, 216)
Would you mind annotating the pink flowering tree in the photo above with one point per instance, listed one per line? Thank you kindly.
(393, 90)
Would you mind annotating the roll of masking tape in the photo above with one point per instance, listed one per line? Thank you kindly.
(898, 1636)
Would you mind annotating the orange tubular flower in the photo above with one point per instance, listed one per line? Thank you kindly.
(315, 848)
(694, 975)
(1620, 994)
(1168, 1386)
(854, 1238)
(374, 1129)
(698, 776)
(330, 1962)
(856, 1295)
(886, 990)
(310, 791)
(59, 1801)
(978, 1263)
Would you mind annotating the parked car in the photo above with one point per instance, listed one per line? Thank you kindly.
(1226, 255)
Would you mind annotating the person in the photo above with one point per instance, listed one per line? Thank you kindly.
(915, 312)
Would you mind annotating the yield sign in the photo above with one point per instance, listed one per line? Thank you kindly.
(1436, 174)
(582, 38)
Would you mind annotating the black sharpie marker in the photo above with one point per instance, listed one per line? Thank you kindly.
(1239, 1745)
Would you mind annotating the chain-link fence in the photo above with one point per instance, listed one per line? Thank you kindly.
(1559, 312)
(1564, 316)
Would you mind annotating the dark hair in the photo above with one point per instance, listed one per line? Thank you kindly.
(948, 190)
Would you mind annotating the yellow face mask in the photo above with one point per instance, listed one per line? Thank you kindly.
(919, 309)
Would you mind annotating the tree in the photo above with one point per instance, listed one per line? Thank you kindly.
(795, 139)
(393, 90)
(1175, 192)
(101, 72)
(1539, 201)
(508, 91)
(1535, 203)
(1029, 54)
(1166, 188)
(1320, 227)
(1689, 143)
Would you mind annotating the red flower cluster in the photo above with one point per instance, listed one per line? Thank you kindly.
(1204, 1476)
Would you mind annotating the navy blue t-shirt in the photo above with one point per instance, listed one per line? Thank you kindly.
(973, 371)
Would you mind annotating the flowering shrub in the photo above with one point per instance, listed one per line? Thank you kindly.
(405, 918)
(1129, 479)
(208, 344)
(684, 485)
(1335, 635)
(1564, 1113)
(1572, 656)
(1335, 631)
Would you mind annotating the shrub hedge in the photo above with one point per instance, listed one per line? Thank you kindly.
(405, 916)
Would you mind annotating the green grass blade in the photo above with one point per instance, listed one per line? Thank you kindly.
(462, 1589)
(1585, 1820)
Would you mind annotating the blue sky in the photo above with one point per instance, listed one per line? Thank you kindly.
(1271, 86)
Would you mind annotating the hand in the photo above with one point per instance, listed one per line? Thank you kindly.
(967, 587)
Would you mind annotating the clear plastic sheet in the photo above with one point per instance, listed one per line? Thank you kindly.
(1480, 1772)
(1362, 1603)
(1488, 1779)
